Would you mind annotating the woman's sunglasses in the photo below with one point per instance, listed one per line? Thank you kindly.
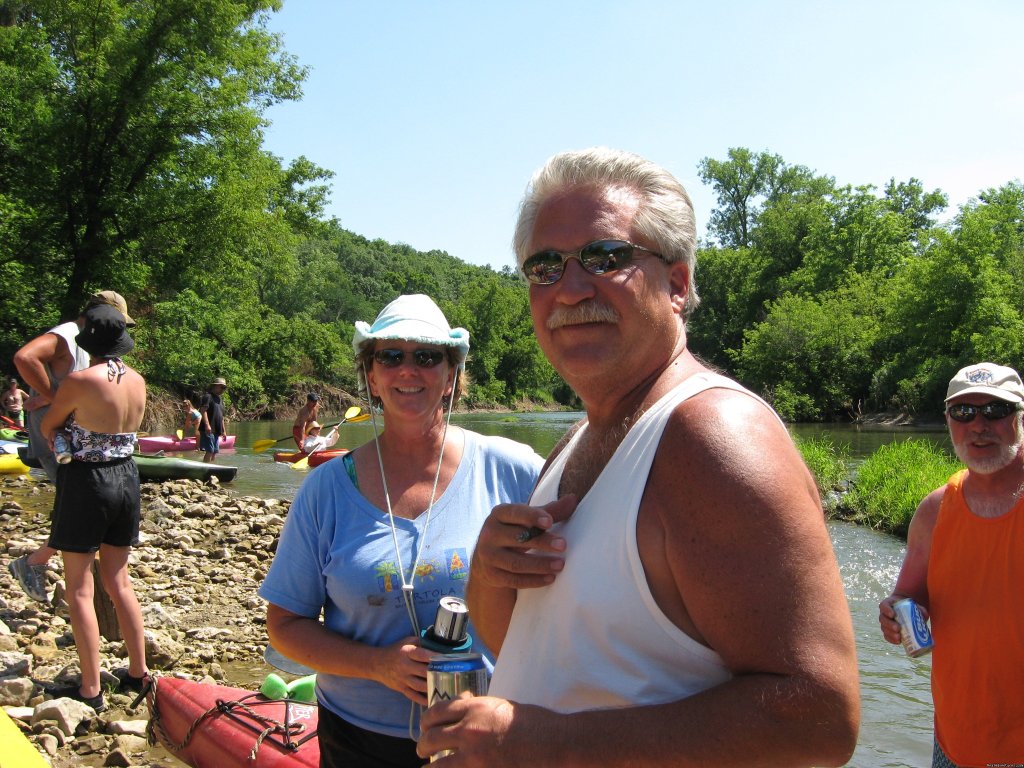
(994, 411)
(392, 358)
(598, 258)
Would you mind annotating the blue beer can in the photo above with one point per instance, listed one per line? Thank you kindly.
(914, 632)
(452, 674)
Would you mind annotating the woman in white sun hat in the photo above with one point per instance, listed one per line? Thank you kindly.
(376, 538)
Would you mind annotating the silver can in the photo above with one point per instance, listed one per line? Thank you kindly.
(61, 449)
(914, 632)
(452, 674)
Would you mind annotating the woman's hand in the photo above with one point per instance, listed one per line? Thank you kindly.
(402, 667)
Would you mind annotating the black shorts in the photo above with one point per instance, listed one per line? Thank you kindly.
(96, 503)
(343, 745)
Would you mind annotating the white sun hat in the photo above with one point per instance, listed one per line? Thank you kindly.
(416, 318)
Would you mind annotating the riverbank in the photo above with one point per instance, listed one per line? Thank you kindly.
(203, 554)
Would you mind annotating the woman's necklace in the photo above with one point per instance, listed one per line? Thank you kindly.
(408, 584)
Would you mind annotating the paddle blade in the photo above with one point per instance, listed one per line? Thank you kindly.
(261, 445)
(302, 463)
(359, 418)
(352, 412)
(180, 434)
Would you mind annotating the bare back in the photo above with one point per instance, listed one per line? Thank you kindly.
(102, 399)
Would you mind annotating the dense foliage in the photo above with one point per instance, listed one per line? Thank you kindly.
(131, 158)
(835, 300)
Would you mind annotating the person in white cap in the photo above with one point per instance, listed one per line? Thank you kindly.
(965, 567)
(375, 538)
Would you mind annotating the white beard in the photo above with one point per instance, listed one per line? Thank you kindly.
(991, 464)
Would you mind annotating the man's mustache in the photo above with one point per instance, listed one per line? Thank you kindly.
(579, 314)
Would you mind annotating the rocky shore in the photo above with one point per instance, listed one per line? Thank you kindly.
(203, 555)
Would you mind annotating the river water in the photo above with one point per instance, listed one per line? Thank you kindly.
(896, 716)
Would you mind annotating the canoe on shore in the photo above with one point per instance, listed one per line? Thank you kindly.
(164, 468)
(315, 459)
(154, 443)
(176, 468)
(216, 726)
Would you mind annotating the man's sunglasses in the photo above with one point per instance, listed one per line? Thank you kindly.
(994, 411)
(598, 258)
(392, 358)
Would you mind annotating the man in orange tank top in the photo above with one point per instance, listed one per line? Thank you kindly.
(965, 566)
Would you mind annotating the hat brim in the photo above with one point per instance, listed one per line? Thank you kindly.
(999, 394)
(414, 331)
(121, 346)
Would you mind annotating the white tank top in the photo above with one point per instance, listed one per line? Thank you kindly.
(595, 638)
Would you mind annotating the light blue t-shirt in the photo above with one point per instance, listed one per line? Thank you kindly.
(337, 554)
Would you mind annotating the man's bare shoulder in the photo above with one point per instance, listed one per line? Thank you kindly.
(723, 425)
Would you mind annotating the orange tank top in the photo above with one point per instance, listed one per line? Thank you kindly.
(976, 601)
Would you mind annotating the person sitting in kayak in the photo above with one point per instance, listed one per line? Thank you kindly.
(192, 420)
(314, 442)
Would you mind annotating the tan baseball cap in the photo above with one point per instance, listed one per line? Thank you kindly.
(113, 299)
(987, 379)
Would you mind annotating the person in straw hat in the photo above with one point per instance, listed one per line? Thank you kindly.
(212, 424)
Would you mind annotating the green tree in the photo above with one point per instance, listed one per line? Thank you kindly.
(138, 119)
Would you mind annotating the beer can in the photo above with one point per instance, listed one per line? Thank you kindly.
(914, 632)
(61, 449)
(452, 674)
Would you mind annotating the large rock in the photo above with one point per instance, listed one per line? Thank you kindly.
(16, 691)
(68, 714)
(14, 664)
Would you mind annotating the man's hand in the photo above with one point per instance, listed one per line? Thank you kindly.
(35, 402)
(515, 550)
(486, 732)
(887, 618)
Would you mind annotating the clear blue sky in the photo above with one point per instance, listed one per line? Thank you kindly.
(433, 114)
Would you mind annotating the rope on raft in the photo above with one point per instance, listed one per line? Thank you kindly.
(156, 731)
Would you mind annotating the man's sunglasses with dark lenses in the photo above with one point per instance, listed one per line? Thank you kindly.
(994, 411)
(392, 358)
(598, 258)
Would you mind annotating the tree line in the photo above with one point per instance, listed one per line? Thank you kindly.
(131, 158)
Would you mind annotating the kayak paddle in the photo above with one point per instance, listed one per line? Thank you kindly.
(350, 415)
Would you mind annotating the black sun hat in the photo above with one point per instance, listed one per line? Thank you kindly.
(104, 334)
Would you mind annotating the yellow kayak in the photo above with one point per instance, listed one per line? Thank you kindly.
(10, 464)
(16, 750)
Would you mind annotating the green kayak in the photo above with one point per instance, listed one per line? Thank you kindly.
(155, 467)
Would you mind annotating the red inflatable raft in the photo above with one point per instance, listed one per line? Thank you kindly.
(214, 726)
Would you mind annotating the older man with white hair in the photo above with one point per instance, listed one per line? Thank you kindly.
(965, 567)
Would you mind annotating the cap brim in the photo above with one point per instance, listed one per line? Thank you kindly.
(1008, 397)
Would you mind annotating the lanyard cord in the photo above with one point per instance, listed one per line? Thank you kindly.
(408, 585)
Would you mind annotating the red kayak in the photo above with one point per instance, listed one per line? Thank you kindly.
(214, 726)
(315, 459)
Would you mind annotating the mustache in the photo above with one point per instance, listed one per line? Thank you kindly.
(590, 312)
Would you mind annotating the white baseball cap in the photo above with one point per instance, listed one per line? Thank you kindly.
(988, 379)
